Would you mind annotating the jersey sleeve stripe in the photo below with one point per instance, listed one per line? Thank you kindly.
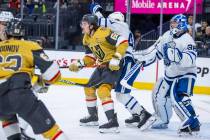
(55, 77)
(99, 22)
(51, 72)
(105, 22)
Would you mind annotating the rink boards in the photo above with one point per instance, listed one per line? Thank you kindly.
(145, 79)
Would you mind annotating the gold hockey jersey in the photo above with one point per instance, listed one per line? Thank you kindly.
(105, 43)
(21, 56)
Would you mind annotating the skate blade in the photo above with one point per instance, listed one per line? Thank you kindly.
(89, 124)
(148, 124)
(189, 134)
(109, 130)
(131, 125)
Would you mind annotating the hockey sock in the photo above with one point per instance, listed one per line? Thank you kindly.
(130, 103)
(11, 130)
(55, 133)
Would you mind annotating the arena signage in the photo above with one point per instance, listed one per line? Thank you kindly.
(153, 6)
(146, 78)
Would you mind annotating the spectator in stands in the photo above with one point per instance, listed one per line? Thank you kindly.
(206, 40)
(190, 25)
(46, 43)
(30, 6)
(137, 36)
(14, 5)
(37, 6)
(201, 30)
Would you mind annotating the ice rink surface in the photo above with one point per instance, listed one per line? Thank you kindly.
(67, 105)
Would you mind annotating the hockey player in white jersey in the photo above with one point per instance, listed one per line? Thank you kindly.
(177, 49)
(115, 21)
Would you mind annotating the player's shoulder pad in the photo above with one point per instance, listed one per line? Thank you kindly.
(32, 45)
(103, 28)
(187, 39)
(112, 38)
(86, 39)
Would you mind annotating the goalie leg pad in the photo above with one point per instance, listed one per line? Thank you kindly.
(161, 100)
(180, 94)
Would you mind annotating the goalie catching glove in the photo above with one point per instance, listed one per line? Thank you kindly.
(114, 63)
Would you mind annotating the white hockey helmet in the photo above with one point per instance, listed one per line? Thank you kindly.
(6, 16)
(117, 16)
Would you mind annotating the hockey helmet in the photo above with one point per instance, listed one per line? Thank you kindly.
(6, 16)
(117, 16)
(181, 21)
(91, 19)
(15, 28)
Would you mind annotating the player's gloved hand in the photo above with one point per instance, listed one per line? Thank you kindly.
(114, 63)
(76, 65)
(43, 89)
(172, 54)
(139, 55)
(95, 7)
(40, 86)
(166, 60)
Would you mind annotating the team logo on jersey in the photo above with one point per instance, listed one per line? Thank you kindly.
(44, 56)
(114, 36)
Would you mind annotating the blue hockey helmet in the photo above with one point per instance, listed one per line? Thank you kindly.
(181, 23)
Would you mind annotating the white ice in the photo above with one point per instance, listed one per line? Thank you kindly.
(67, 105)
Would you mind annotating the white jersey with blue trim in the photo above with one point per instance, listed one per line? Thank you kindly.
(121, 28)
(185, 43)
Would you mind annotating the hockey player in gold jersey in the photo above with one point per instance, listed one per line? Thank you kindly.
(17, 63)
(107, 48)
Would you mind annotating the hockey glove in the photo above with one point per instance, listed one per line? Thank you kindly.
(172, 54)
(165, 55)
(114, 63)
(95, 7)
(40, 86)
(76, 65)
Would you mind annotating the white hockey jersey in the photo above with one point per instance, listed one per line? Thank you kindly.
(121, 28)
(187, 65)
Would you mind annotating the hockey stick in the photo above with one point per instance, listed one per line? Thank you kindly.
(124, 81)
(73, 83)
(94, 66)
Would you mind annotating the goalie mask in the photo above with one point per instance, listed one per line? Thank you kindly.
(178, 24)
(15, 28)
